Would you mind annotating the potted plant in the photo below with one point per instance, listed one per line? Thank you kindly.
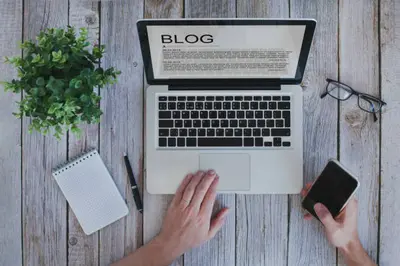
(57, 76)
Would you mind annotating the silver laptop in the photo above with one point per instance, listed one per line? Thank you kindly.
(224, 94)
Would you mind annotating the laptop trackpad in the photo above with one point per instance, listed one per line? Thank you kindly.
(233, 170)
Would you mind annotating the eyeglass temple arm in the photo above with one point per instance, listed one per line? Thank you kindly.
(324, 94)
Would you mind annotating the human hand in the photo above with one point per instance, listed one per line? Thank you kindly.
(342, 230)
(188, 223)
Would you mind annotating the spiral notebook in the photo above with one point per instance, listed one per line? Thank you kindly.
(91, 192)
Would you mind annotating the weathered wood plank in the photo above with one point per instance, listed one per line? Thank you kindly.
(82, 249)
(121, 125)
(262, 220)
(307, 243)
(221, 249)
(390, 73)
(44, 206)
(155, 206)
(10, 139)
(359, 135)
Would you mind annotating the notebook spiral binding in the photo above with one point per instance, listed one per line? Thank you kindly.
(74, 161)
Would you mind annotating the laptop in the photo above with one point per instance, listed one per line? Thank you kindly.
(225, 94)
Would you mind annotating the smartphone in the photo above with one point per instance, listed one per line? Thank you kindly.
(333, 188)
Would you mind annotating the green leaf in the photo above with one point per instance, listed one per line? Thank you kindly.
(40, 81)
(78, 84)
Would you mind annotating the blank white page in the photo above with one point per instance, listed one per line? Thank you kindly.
(91, 192)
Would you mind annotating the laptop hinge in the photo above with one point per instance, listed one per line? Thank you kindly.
(222, 88)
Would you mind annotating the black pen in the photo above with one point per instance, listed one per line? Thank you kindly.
(134, 187)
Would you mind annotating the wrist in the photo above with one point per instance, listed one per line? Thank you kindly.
(355, 254)
(166, 248)
(354, 246)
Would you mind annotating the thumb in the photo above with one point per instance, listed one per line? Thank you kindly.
(217, 222)
(325, 216)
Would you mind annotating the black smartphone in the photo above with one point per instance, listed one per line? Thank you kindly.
(333, 188)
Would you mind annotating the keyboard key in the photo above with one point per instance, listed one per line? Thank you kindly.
(277, 114)
(233, 123)
(270, 123)
(191, 142)
(210, 132)
(171, 106)
(189, 105)
(162, 142)
(173, 132)
(162, 106)
(258, 114)
(252, 123)
(206, 123)
(238, 132)
(181, 142)
(201, 132)
(228, 132)
(238, 98)
(276, 98)
(258, 142)
(183, 132)
(248, 142)
(196, 123)
(221, 114)
(178, 123)
(268, 144)
(286, 114)
(220, 142)
(254, 105)
(210, 98)
(204, 114)
(244, 105)
(284, 132)
(217, 105)
(191, 98)
(267, 114)
(224, 123)
(285, 98)
(256, 132)
(235, 106)
(219, 132)
(180, 106)
(272, 105)
(200, 98)
(228, 98)
(263, 106)
(208, 106)
(199, 106)
(248, 98)
(227, 105)
(286, 144)
(185, 114)
(187, 123)
(231, 114)
(249, 114)
(171, 98)
(165, 123)
(257, 98)
(267, 98)
(213, 114)
(164, 114)
(261, 123)
(247, 132)
(279, 123)
(219, 98)
(181, 98)
(215, 123)
(240, 114)
(176, 114)
(194, 114)
(163, 132)
(162, 98)
(171, 142)
(242, 123)
(265, 132)
(277, 142)
(284, 105)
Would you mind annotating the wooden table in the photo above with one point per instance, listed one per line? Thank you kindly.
(357, 42)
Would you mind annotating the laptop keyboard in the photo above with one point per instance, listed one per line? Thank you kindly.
(224, 121)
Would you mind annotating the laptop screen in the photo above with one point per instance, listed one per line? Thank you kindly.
(225, 51)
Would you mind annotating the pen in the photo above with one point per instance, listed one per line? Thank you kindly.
(134, 187)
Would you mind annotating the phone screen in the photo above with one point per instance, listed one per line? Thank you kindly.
(333, 188)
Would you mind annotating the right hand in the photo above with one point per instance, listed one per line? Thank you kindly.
(341, 231)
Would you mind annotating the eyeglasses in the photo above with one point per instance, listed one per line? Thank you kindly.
(343, 92)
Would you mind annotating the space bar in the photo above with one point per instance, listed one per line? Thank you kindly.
(219, 142)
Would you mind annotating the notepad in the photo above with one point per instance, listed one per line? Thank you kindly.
(91, 192)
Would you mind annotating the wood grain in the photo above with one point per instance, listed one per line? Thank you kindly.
(221, 249)
(359, 135)
(10, 139)
(390, 198)
(307, 242)
(262, 220)
(44, 206)
(83, 249)
(155, 206)
(121, 125)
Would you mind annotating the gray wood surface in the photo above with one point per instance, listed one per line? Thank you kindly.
(121, 125)
(390, 207)
(82, 249)
(359, 135)
(10, 140)
(263, 241)
(44, 206)
(307, 242)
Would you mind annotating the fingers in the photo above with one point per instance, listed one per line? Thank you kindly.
(202, 188)
(209, 199)
(308, 217)
(305, 190)
(179, 193)
(217, 222)
(325, 216)
(190, 188)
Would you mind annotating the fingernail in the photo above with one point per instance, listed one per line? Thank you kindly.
(211, 172)
(319, 208)
(200, 173)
